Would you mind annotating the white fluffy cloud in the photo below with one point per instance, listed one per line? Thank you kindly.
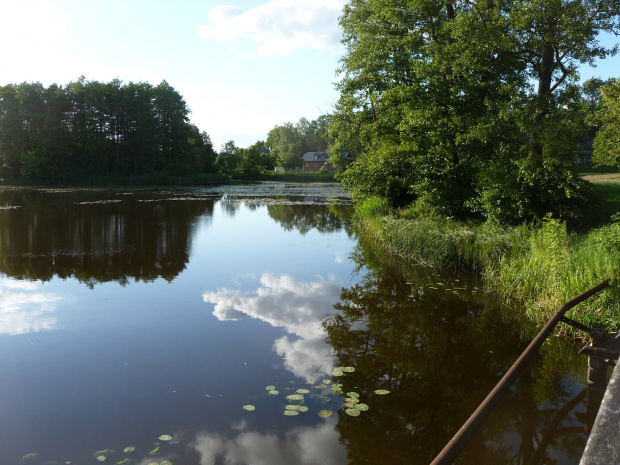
(296, 306)
(279, 26)
(308, 446)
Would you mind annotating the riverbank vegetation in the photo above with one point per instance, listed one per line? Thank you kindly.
(539, 265)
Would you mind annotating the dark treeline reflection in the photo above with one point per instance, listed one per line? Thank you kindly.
(440, 344)
(324, 218)
(96, 236)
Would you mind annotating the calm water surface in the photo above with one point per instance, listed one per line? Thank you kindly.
(126, 316)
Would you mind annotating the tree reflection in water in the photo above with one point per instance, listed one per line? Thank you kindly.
(440, 344)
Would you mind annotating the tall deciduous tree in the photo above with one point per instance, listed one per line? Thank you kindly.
(607, 142)
(467, 106)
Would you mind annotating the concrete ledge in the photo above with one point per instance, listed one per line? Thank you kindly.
(603, 447)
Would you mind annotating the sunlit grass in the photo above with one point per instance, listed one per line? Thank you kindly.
(541, 266)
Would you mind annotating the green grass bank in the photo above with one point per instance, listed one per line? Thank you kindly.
(537, 266)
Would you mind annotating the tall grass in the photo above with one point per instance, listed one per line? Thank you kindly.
(541, 266)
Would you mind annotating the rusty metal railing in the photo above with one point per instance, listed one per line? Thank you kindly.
(456, 444)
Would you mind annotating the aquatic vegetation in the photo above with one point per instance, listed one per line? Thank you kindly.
(249, 408)
(129, 449)
(165, 437)
(28, 457)
(382, 392)
(325, 413)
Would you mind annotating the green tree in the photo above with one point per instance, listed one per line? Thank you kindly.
(437, 100)
(12, 134)
(607, 142)
(229, 159)
(67, 134)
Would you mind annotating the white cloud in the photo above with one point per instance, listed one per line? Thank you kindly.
(280, 27)
(296, 306)
(305, 445)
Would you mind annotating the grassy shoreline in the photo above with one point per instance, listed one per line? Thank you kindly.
(536, 266)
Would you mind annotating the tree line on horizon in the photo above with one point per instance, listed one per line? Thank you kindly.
(89, 129)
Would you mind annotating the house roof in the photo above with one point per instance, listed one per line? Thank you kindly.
(316, 156)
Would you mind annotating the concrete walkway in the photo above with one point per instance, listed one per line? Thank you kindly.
(603, 447)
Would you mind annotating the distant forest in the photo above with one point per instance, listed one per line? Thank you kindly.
(86, 131)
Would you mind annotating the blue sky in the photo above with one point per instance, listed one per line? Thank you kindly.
(243, 67)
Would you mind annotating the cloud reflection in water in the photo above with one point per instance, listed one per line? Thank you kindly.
(296, 306)
(24, 309)
(303, 445)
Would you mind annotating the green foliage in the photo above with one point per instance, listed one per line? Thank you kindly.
(91, 129)
(607, 142)
(541, 265)
(437, 104)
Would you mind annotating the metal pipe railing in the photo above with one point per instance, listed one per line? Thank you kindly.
(456, 444)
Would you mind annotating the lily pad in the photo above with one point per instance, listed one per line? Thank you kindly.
(270, 388)
(129, 449)
(101, 458)
(361, 407)
(291, 413)
(292, 407)
(352, 400)
(165, 437)
(295, 397)
(273, 392)
(154, 451)
(249, 408)
(337, 373)
(382, 392)
(348, 369)
(353, 412)
(327, 381)
(166, 462)
(125, 462)
(325, 413)
(302, 391)
(353, 394)
(302, 408)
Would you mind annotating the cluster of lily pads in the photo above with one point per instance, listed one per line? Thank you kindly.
(353, 406)
(103, 455)
(455, 288)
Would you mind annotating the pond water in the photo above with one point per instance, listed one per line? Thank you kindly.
(249, 325)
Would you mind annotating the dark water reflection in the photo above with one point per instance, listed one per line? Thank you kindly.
(125, 316)
(440, 345)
